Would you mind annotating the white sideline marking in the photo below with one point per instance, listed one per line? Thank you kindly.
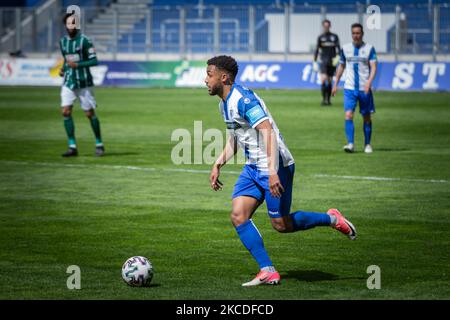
(150, 169)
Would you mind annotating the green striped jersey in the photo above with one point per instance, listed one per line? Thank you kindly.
(80, 50)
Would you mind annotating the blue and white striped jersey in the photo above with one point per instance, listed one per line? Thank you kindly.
(357, 60)
(242, 111)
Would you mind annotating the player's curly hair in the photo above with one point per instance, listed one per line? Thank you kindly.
(226, 63)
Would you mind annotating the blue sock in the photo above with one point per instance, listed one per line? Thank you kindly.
(252, 240)
(306, 220)
(367, 132)
(349, 130)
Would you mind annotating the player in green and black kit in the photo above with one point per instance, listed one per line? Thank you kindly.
(79, 54)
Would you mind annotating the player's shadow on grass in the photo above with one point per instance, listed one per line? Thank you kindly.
(315, 275)
(153, 285)
(392, 149)
(120, 154)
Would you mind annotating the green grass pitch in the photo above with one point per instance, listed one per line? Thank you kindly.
(97, 212)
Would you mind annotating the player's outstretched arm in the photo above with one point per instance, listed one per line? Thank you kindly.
(271, 148)
(339, 73)
(228, 152)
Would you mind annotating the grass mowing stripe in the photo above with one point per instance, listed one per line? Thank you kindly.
(150, 169)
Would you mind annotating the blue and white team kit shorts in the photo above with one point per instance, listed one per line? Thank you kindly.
(254, 183)
(352, 97)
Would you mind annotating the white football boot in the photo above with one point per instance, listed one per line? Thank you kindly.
(350, 148)
(368, 148)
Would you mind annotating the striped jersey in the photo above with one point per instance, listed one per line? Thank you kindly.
(357, 60)
(242, 111)
(80, 50)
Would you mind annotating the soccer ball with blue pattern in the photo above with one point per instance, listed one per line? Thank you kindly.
(137, 271)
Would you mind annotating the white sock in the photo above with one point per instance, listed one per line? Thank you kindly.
(333, 220)
(269, 269)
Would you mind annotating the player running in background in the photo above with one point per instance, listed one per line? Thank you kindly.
(360, 59)
(269, 171)
(328, 45)
(79, 54)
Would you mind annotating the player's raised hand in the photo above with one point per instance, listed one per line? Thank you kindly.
(275, 186)
(216, 185)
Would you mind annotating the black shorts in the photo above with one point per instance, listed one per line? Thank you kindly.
(327, 68)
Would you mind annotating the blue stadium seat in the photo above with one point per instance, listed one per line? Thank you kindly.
(199, 33)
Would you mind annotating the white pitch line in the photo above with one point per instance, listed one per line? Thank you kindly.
(105, 166)
(150, 169)
(379, 178)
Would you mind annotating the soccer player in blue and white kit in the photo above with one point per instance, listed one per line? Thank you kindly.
(360, 59)
(268, 174)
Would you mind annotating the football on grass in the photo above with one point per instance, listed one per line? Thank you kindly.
(137, 271)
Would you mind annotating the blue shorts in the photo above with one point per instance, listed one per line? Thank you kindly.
(255, 184)
(366, 105)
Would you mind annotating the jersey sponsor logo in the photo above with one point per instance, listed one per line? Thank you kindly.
(357, 59)
(255, 113)
(261, 73)
(73, 57)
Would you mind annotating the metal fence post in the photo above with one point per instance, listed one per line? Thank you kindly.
(115, 35)
(34, 30)
(360, 10)
(83, 19)
(251, 29)
(287, 27)
(148, 32)
(323, 12)
(1, 29)
(216, 36)
(435, 31)
(49, 37)
(18, 22)
(182, 40)
(398, 10)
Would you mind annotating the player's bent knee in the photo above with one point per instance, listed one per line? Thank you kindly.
(90, 113)
(237, 218)
(349, 116)
(66, 111)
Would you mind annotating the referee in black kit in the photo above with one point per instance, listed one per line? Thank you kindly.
(328, 44)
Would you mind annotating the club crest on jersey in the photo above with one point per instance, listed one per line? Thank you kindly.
(246, 100)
